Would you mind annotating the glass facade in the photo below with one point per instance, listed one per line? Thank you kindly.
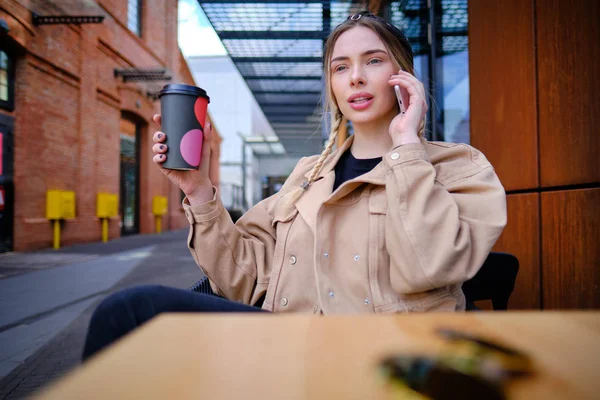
(438, 33)
(134, 16)
(3, 76)
(6, 81)
(129, 177)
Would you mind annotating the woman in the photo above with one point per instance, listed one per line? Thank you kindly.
(386, 223)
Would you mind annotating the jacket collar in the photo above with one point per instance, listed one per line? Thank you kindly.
(320, 191)
(375, 176)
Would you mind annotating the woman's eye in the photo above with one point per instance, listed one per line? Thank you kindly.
(374, 61)
(340, 68)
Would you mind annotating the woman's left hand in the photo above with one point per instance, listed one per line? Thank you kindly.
(405, 127)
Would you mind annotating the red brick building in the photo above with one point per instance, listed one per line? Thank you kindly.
(71, 121)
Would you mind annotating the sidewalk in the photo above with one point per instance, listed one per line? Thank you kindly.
(47, 298)
(12, 264)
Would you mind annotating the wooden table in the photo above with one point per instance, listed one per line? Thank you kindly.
(234, 356)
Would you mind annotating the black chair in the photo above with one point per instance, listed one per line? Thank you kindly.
(203, 286)
(495, 281)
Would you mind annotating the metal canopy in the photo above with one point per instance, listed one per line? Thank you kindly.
(277, 45)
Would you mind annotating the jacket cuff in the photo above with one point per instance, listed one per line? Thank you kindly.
(203, 212)
(405, 153)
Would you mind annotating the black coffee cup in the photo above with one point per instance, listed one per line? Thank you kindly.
(183, 111)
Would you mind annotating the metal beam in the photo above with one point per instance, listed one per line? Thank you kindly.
(302, 134)
(276, 59)
(279, 35)
(282, 78)
(276, 108)
(291, 104)
(308, 139)
(295, 130)
(289, 118)
(285, 92)
(256, 1)
(65, 19)
(294, 126)
(312, 134)
(288, 112)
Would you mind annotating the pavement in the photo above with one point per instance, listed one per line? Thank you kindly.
(47, 298)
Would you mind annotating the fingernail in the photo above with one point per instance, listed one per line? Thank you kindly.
(162, 146)
(160, 135)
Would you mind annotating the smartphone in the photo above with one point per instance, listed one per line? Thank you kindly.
(399, 97)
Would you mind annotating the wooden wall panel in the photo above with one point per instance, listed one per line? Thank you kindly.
(568, 33)
(571, 249)
(521, 238)
(503, 96)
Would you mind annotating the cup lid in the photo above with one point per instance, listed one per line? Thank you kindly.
(180, 88)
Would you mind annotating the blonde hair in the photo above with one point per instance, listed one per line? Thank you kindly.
(403, 59)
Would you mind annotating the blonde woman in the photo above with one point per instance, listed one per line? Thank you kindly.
(389, 222)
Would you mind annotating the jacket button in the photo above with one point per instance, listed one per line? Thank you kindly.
(356, 257)
(395, 156)
(284, 301)
(326, 255)
(315, 309)
(293, 260)
(367, 302)
(331, 294)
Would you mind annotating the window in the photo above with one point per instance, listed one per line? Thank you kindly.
(134, 16)
(438, 32)
(6, 81)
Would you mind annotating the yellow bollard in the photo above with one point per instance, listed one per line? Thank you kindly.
(158, 224)
(104, 230)
(159, 208)
(56, 245)
(106, 207)
(60, 205)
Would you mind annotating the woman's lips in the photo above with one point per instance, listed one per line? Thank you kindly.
(361, 103)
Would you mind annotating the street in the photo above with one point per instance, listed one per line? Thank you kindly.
(47, 298)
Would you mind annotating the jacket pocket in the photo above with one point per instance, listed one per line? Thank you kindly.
(282, 222)
(379, 259)
(440, 299)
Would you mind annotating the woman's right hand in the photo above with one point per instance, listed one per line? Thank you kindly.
(195, 184)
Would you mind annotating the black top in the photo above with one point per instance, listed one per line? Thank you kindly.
(349, 167)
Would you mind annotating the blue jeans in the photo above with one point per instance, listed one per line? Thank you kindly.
(125, 310)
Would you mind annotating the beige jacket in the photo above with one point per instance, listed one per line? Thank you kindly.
(400, 238)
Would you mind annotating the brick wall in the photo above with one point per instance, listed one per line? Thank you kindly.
(67, 112)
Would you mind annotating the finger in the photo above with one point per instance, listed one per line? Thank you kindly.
(405, 97)
(159, 148)
(408, 87)
(208, 135)
(416, 81)
(157, 118)
(159, 137)
(159, 159)
(411, 98)
(208, 132)
(410, 77)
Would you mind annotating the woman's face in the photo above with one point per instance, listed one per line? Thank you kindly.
(360, 69)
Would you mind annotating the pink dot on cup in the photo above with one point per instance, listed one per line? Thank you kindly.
(191, 147)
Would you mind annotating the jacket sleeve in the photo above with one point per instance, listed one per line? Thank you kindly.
(439, 234)
(235, 257)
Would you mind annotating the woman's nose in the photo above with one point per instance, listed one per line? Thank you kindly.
(357, 77)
